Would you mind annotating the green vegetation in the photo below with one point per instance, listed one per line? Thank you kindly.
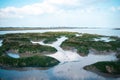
(47, 36)
(82, 43)
(82, 50)
(86, 42)
(109, 67)
(36, 49)
(1, 51)
(58, 34)
(23, 45)
(21, 42)
(34, 61)
(118, 56)
(54, 35)
(50, 40)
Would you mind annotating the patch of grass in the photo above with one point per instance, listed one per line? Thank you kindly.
(36, 49)
(21, 42)
(81, 43)
(106, 67)
(34, 61)
(50, 40)
(86, 41)
(24, 46)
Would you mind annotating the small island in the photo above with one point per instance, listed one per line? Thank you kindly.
(31, 54)
(92, 42)
(35, 55)
(34, 61)
(109, 68)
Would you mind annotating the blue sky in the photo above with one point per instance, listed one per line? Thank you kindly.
(50, 13)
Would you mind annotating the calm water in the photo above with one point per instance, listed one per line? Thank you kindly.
(70, 68)
(13, 55)
(1, 42)
(105, 39)
(108, 32)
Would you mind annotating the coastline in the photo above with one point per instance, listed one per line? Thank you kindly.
(96, 71)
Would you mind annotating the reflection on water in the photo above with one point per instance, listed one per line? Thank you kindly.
(23, 75)
(105, 39)
(13, 55)
(71, 70)
(61, 55)
(1, 42)
(78, 35)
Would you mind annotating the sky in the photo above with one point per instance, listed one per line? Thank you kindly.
(60, 13)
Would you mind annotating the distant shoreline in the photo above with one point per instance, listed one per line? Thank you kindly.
(41, 28)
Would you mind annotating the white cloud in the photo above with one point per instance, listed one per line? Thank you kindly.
(35, 9)
(48, 7)
(60, 12)
(114, 9)
(63, 2)
(9, 12)
(119, 8)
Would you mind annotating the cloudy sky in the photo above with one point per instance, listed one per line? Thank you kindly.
(48, 13)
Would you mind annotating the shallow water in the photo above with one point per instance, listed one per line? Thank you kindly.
(71, 66)
(61, 55)
(105, 39)
(13, 55)
(1, 42)
(71, 70)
